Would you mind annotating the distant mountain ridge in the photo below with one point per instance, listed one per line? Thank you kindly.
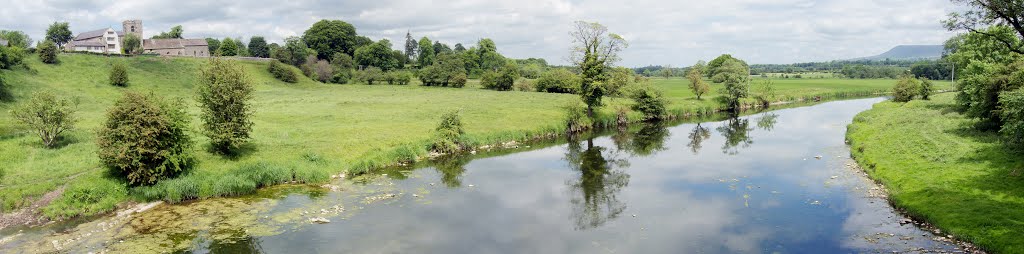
(909, 52)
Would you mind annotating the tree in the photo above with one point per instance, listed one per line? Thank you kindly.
(145, 139)
(131, 44)
(734, 74)
(11, 56)
(410, 47)
(175, 33)
(16, 39)
(48, 52)
(558, 81)
(905, 89)
(593, 50)
(119, 74)
(925, 90)
(441, 48)
(224, 94)
(59, 33)
(501, 80)
(764, 92)
(378, 55)
(295, 51)
(696, 77)
(980, 14)
(48, 115)
(281, 72)
(650, 102)
(714, 69)
(426, 54)
(446, 71)
(241, 49)
(258, 47)
(213, 45)
(459, 48)
(486, 45)
(331, 36)
(448, 136)
(665, 72)
(228, 47)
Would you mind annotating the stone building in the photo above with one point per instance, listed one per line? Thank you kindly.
(176, 47)
(110, 41)
(98, 41)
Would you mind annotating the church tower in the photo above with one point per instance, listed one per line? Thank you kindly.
(133, 27)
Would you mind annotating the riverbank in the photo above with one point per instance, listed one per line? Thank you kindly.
(309, 131)
(939, 169)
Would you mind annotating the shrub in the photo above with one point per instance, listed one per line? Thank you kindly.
(144, 139)
(764, 92)
(459, 80)
(558, 81)
(119, 75)
(308, 67)
(48, 52)
(925, 91)
(650, 102)
(324, 71)
(523, 85)
(370, 75)
(342, 76)
(282, 72)
(905, 89)
(48, 115)
(576, 119)
(501, 80)
(224, 94)
(10, 57)
(1012, 113)
(448, 135)
(619, 80)
(399, 77)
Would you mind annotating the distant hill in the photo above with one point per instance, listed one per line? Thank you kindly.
(909, 52)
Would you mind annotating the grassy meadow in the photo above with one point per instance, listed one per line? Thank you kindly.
(307, 130)
(939, 168)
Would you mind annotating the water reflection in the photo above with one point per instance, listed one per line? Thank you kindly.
(767, 121)
(240, 243)
(594, 195)
(451, 169)
(697, 138)
(736, 132)
(645, 141)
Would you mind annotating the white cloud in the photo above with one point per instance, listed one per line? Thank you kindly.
(660, 32)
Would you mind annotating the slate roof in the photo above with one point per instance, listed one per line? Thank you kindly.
(90, 34)
(171, 43)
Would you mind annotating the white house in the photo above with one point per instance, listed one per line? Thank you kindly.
(98, 41)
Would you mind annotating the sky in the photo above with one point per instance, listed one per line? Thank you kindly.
(659, 32)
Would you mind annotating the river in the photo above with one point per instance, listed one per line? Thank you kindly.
(773, 182)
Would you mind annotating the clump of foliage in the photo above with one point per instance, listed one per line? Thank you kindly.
(697, 83)
(1012, 114)
(448, 137)
(399, 77)
(905, 89)
(370, 75)
(459, 80)
(650, 102)
(48, 115)
(308, 67)
(558, 81)
(501, 80)
(594, 50)
(925, 89)
(324, 71)
(144, 139)
(11, 56)
(443, 72)
(48, 52)
(576, 118)
(224, 94)
(764, 92)
(281, 72)
(523, 85)
(619, 81)
(132, 44)
(119, 74)
(734, 73)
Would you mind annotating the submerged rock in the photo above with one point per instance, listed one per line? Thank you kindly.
(319, 220)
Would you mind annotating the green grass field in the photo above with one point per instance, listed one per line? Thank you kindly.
(308, 127)
(939, 168)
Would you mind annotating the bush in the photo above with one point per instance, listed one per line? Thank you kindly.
(905, 89)
(341, 76)
(224, 94)
(119, 74)
(48, 115)
(10, 57)
(925, 91)
(523, 85)
(558, 81)
(459, 80)
(1012, 113)
(282, 72)
(650, 102)
(448, 135)
(324, 71)
(501, 80)
(308, 68)
(370, 75)
(764, 92)
(48, 52)
(576, 119)
(399, 77)
(144, 139)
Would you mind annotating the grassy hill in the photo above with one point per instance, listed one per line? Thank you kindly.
(318, 129)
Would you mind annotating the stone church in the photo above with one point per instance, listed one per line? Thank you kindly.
(110, 41)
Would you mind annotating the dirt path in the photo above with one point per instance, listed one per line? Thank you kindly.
(31, 215)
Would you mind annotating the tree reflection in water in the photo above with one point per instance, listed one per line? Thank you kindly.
(238, 243)
(697, 137)
(647, 140)
(594, 195)
(736, 132)
(451, 169)
(767, 121)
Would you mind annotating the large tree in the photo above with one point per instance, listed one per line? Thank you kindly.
(593, 50)
(175, 33)
(132, 44)
(258, 47)
(330, 36)
(297, 50)
(228, 47)
(59, 33)
(213, 45)
(410, 47)
(426, 54)
(734, 73)
(16, 38)
(378, 55)
(981, 14)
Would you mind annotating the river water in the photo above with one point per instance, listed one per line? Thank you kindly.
(773, 182)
